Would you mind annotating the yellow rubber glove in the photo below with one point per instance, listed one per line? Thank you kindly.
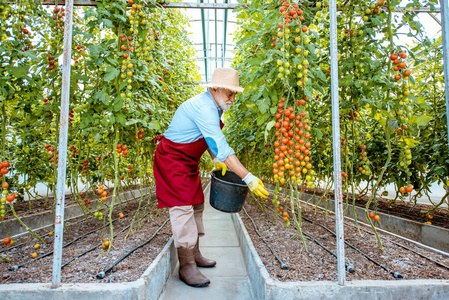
(221, 166)
(256, 186)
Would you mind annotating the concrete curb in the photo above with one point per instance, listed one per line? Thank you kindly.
(149, 286)
(38, 221)
(264, 287)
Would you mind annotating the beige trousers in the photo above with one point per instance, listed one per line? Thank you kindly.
(187, 224)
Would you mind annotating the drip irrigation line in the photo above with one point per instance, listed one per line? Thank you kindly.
(283, 265)
(45, 235)
(42, 236)
(102, 274)
(350, 268)
(394, 242)
(13, 268)
(407, 248)
(94, 247)
(395, 274)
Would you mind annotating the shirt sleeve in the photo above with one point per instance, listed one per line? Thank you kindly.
(208, 123)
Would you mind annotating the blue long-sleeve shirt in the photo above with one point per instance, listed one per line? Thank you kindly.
(196, 118)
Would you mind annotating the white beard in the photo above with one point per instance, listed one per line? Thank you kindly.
(224, 105)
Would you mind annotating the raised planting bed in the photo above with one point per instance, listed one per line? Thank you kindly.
(40, 213)
(312, 274)
(435, 235)
(88, 234)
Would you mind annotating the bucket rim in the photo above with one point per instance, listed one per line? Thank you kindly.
(224, 181)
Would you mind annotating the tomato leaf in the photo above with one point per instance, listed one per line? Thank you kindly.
(118, 103)
(18, 71)
(111, 73)
(268, 128)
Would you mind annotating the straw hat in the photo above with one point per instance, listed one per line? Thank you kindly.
(225, 78)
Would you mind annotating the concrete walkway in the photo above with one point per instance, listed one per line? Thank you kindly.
(229, 279)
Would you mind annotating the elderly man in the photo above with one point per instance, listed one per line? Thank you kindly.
(195, 128)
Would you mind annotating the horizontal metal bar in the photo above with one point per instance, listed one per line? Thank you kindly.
(220, 5)
(75, 3)
(220, 21)
(213, 58)
(418, 10)
(202, 5)
(166, 5)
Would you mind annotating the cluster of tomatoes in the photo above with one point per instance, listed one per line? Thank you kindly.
(46, 100)
(85, 164)
(284, 214)
(292, 159)
(80, 50)
(293, 41)
(404, 112)
(98, 214)
(5, 197)
(139, 135)
(105, 244)
(58, 16)
(74, 151)
(122, 150)
(406, 189)
(364, 167)
(102, 193)
(127, 67)
(373, 9)
(374, 217)
(8, 241)
(400, 65)
(86, 202)
(51, 62)
(51, 150)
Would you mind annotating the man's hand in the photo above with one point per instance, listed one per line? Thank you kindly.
(255, 185)
(220, 166)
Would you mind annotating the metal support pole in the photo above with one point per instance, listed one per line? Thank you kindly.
(445, 33)
(204, 42)
(216, 41)
(336, 142)
(225, 27)
(62, 148)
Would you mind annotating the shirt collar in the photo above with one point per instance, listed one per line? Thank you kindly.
(220, 112)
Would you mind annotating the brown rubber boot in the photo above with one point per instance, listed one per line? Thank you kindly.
(188, 271)
(200, 260)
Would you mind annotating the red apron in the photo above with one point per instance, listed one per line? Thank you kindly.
(178, 180)
(176, 171)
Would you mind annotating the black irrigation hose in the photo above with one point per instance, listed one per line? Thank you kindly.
(102, 274)
(42, 236)
(94, 247)
(395, 274)
(407, 248)
(349, 267)
(283, 265)
(396, 243)
(65, 222)
(13, 268)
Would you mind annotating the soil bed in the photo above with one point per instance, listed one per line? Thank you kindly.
(85, 268)
(416, 212)
(318, 264)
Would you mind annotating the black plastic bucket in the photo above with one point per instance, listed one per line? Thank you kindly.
(228, 192)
